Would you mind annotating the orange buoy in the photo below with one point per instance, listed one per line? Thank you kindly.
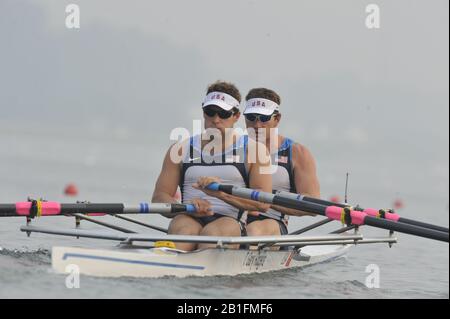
(335, 199)
(71, 190)
(398, 204)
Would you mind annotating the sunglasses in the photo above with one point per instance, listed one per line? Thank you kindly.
(211, 112)
(262, 118)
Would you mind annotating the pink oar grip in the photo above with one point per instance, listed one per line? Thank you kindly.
(371, 212)
(48, 208)
(333, 212)
(375, 212)
(358, 217)
(393, 217)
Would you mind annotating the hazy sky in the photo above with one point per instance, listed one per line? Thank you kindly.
(144, 65)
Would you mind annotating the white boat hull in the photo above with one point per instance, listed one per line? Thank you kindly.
(160, 262)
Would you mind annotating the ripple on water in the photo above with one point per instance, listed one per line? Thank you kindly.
(27, 257)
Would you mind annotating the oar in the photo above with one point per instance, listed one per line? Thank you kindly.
(346, 215)
(386, 214)
(41, 208)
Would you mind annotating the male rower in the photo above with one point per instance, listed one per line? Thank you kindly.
(218, 214)
(295, 166)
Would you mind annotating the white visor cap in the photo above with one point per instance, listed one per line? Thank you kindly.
(261, 106)
(223, 100)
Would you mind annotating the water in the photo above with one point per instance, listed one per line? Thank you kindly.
(113, 166)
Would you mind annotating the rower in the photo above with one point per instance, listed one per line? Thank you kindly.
(218, 214)
(295, 168)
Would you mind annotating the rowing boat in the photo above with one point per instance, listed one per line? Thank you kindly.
(139, 255)
(160, 262)
(152, 256)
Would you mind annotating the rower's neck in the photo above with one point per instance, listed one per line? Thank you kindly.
(228, 139)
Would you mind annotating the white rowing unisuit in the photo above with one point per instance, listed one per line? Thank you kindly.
(229, 166)
(282, 176)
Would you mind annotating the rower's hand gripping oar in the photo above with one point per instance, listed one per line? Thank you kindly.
(345, 215)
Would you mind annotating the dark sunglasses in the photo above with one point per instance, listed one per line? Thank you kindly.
(211, 112)
(262, 118)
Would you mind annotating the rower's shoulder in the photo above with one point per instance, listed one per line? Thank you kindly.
(301, 153)
(178, 148)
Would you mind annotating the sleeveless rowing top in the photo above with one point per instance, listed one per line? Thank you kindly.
(229, 166)
(283, 176)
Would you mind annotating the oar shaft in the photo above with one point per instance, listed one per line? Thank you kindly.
(7, 210)
(422, 224)
(54, 208)
(270, 198)
(407, 229)
(372, 212)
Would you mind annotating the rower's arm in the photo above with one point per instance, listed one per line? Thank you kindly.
(290, 211)
(167, 183)
(260, 174)
(260, 178)
(305, 175)
(243, 204)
